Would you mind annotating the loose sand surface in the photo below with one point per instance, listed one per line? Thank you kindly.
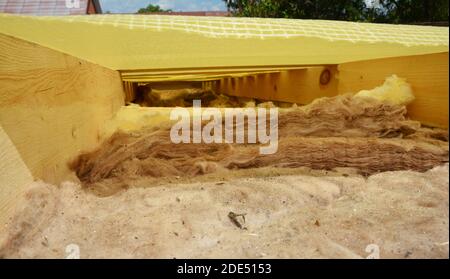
(400, 214)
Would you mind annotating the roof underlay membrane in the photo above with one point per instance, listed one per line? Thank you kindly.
(149, 44)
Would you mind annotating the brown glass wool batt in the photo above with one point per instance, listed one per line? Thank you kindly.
(342, 131)
(158, 157)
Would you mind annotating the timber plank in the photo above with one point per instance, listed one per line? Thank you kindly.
(427, 74)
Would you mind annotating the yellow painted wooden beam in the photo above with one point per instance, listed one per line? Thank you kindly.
(52, 105)
(427, 74)
(130, 42)
(214, 73)
(295, 86)
(130, 91)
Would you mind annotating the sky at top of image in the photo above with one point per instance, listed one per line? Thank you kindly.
(132, 6)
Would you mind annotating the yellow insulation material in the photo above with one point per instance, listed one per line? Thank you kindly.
(395, 91)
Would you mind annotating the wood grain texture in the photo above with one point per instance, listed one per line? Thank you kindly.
(52, 105)
(296, 86)
(427, 74)
(14, 178)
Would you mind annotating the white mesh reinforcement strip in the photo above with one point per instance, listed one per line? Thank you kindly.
(232, 27)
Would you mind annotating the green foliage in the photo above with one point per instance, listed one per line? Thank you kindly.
(404, 11)
(392, 11)
(312, 9)
(152, 9)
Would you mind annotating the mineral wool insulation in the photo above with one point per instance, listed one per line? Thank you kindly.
(368, 132)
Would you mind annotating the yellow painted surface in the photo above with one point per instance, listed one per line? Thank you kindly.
(155, 42)
(427, 75)
(197, 75)
(53, 105)
(295, 86)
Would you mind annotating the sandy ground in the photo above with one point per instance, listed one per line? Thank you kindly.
(393, 214)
